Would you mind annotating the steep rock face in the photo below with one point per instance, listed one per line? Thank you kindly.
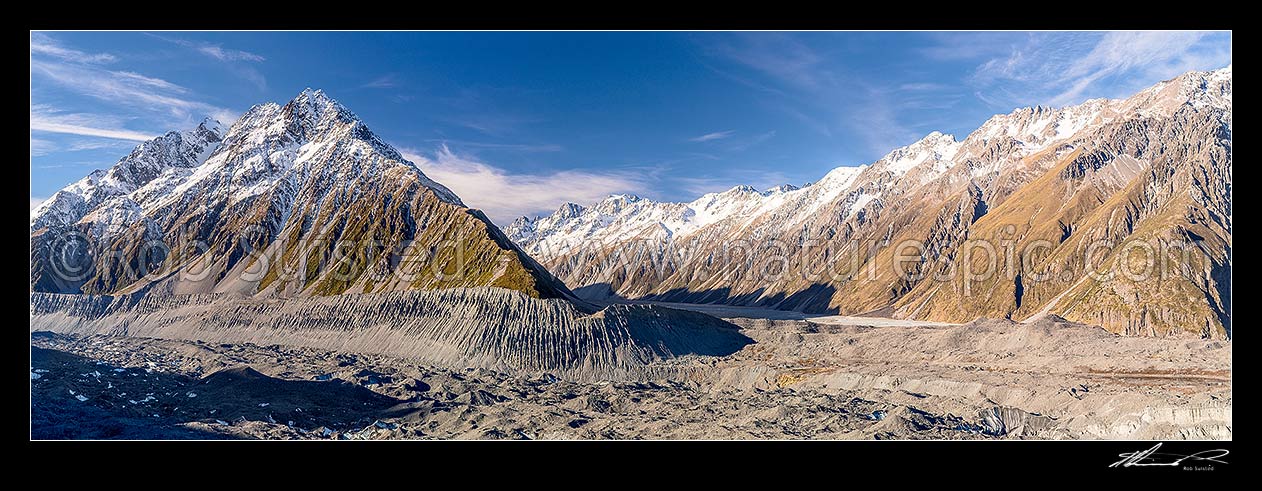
(299, 199)
(1067, 190)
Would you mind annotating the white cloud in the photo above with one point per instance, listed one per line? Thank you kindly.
(72, 129)
(41, 44)
(741, 146)
(127, 89)
(216, 51)
(229, 57)
(36, 201)
(224, 54)
(47, 120)
(1067, 68)
(161, 104)
(778, 56)
(41, 147)
(139, 80)
(879, 128)
(520, 147)
(1159, 54)
(923, 87)
(96, 143)
(491, 122)
(249, 74)
(718, 135)
(388, 81)
(504, 195)
(803, 80)
(958, 46)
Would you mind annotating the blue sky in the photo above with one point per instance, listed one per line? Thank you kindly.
(517, 123)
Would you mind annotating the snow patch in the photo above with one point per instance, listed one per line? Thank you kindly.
(860, 203)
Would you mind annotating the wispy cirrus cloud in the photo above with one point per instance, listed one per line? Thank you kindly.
(729, 141)
(387, 81)
(800, 78)
(216, 51)
(1157, 54)
(504, 195)
(46, 119)
(143, 81)
(923, 87)
(493, 124)
(235, 60)
(80, 144)
(967, 46)
(93, 164)
(492, 111)
(781, 57)
(740, 146)
(174, 104)
(227, 54)
(132, 107)
(717, 135)
(41, 147)
(72, 129)
(519, 147)
(1068, 67)
(42, 44)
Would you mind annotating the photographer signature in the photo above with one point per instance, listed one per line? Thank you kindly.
(1151, 457)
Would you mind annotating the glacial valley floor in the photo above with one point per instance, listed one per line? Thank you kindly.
(801, 379)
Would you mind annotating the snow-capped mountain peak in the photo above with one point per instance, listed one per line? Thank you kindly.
(147, 162)
(315, 109)
(840, 176)
(289, 179)
(316, 98)
(847, 191)
(934, 148)
(1207, 89)
(623, 216)
(611, 205)
(266, 146)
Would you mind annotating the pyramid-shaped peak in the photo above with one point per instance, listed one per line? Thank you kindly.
(314, 95)
(317, 105)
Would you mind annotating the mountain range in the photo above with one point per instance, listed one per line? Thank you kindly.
(291, 200)
(1112, 212)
